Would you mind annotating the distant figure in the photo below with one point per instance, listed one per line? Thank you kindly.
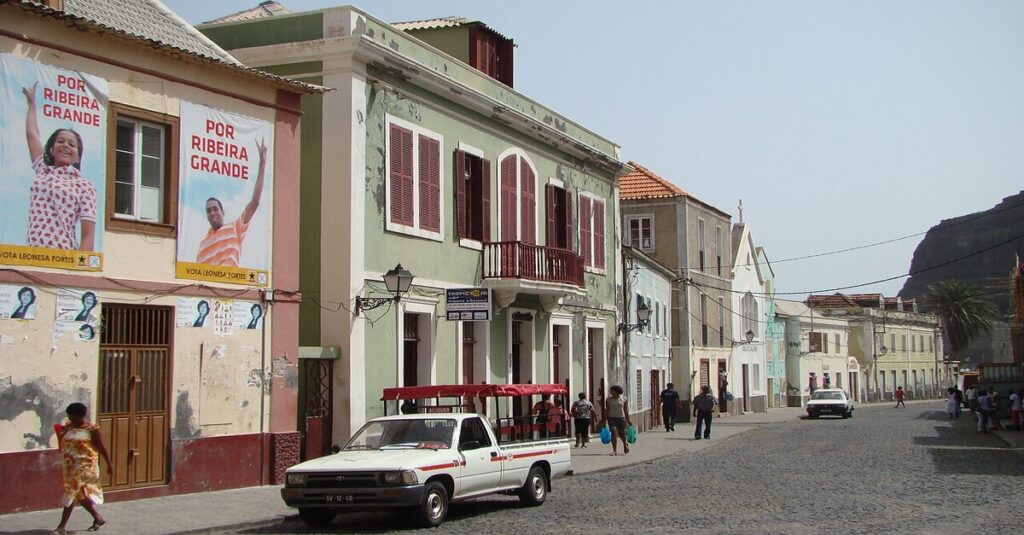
(952, 405)
(81, 445)
(408, 407)
(703, 410)
(616, 415)
(984, 410)
(812, 383)
(583, 414)
(26, 302)
(993, 398)
(899, 395)
(669, 403)
(541, 409)
(1015, 407)
(972, 398)
(202, 310)
(88, 303)
(959, 400)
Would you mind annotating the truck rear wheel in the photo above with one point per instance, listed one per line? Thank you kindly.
(434, 508)
(535, 490)
(316, 517)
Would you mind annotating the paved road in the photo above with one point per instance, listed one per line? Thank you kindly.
(886, 470)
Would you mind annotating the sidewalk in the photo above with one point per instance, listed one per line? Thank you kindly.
(216, 512)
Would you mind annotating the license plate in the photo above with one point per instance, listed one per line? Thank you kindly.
(339, 498)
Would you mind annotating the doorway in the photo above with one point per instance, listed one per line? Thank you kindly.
(655, 399)
(315, 400)
(410, 350)
(134, 382)
(723, 383)
(745, 370)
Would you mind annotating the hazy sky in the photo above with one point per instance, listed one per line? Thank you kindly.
(837, 123)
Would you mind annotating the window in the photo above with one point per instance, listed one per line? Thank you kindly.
(814, 342)
(559, 217)
(472, 196)
(639, 389)
(414, 180)
(473, 430)
(824, 342)
(592, 232)
(718, 249)
(640, 231)
(142, 188)
(748, 307)
(903, 343)
(892, 343)
(518, 200)
(700, 244)
(703, 320)
(657, 319)
(837, 343)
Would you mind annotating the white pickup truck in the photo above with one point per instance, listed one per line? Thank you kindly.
(423, 462)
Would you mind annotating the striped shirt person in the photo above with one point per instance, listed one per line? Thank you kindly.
(222, 245)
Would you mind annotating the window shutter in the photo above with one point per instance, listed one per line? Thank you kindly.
(508, 199)
(599, 234)
(585, 222)
(460, 193)
(568, 229)
(551, 239)
(485, 183)
(430, 184)
(401, 175)
(528, 187)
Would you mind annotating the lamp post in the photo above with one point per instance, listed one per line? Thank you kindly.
(643, 314)
(748, 338)
(398, 280)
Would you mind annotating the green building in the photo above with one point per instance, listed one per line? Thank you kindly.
(424, 155)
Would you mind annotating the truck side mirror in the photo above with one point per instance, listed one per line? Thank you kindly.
(469, 445)
(335, 448)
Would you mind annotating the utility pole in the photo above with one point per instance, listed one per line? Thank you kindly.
(1017, 329)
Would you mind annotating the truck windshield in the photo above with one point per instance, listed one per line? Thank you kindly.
(434, 433)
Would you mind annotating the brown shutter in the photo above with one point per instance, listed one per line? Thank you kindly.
(599, 234)
(568, 228)
(528, 189)
(549, 201)
(430, 184)
(485, 183)
(460, 193)
(401, 175)
(508, 199)
(585, 221)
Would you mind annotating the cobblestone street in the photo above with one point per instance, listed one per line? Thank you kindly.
(907, 470)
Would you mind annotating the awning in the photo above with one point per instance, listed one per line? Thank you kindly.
(473, 391)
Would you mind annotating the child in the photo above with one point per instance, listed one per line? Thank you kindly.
(81, 446)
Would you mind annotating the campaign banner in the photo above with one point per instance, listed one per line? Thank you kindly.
(225, 201)
(17, 302)
(78, 312)
(247, 315)
(54, 158)
(193, 312)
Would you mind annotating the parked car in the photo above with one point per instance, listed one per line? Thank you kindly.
(423, 462)
(832, 401)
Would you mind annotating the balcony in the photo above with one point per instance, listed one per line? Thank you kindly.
(511, 268)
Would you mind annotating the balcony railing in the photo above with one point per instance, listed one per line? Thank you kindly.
(517, 260)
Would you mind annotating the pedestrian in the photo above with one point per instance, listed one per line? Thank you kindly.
(703, 410)
(616, 415)
(993, 399)
(1015, 407)
(952, 404)
(984, 410)
(582, 413)
(899, 395)
(959, 400)
(972, 398)
(81, 445)
(557, 420)
(669, 403)
(541, 409)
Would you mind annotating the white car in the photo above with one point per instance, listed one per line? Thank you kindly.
(832, 401)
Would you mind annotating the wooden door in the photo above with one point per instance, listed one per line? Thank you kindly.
(134, 383)
(315, 399)
(655, 399)
(468, 345)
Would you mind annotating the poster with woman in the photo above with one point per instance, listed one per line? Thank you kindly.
(247, 315)
(17, 302)
(225, 202)
(193, 312)
(53, 154)
(78, 311)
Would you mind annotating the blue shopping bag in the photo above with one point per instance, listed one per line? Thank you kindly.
(606, 435)
(631, 434)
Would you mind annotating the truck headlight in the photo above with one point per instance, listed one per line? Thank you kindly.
(405, 477)
(296, 480)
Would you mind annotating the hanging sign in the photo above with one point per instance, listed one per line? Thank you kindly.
(468, 304)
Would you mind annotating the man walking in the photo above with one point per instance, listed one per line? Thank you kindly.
(984, 410)
(900, 394)
(669, 402)
(972, 398)
(703, 410)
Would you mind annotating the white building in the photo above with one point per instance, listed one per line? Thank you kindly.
(817, 352)
(647, 283)
(747, 378)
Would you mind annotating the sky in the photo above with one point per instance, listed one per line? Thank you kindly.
(838, 124)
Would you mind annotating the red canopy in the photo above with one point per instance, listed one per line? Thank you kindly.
(473, 391)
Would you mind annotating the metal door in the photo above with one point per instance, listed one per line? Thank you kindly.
(315, 388)
(134, 383)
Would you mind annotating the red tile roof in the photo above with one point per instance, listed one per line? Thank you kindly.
(836, 300)
(642, 183)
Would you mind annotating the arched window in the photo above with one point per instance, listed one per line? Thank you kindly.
(518, 199)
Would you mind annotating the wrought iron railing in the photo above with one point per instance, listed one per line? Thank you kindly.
(517, 260)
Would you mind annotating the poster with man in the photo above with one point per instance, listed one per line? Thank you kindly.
(225, 200)
(53, 155)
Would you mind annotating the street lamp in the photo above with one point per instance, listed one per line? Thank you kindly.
(748, 337)
(398, 281)
(643, 313)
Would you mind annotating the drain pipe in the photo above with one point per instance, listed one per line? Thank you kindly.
(263, 390)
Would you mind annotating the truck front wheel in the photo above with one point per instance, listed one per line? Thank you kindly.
(316, 517)
(434, 508)
(535, 490)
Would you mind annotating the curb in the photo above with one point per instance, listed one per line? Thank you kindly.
(253, 524)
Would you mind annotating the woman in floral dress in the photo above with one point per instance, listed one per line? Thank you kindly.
(81, 446)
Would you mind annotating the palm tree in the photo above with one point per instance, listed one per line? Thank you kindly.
(964, 314)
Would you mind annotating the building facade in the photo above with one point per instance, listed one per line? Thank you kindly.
(647, 284)
(746, 306)
(774, 337)
(817, 353)
(163, 291)
(691, 237)
(423, 160)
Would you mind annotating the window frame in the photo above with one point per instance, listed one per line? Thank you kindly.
(589, 259)
(521, 159)
(639, 219)
(414, 229)
(485, 199)
(169, 227)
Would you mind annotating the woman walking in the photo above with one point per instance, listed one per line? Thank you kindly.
(81, 446)
(616, 415)
(952, 405)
